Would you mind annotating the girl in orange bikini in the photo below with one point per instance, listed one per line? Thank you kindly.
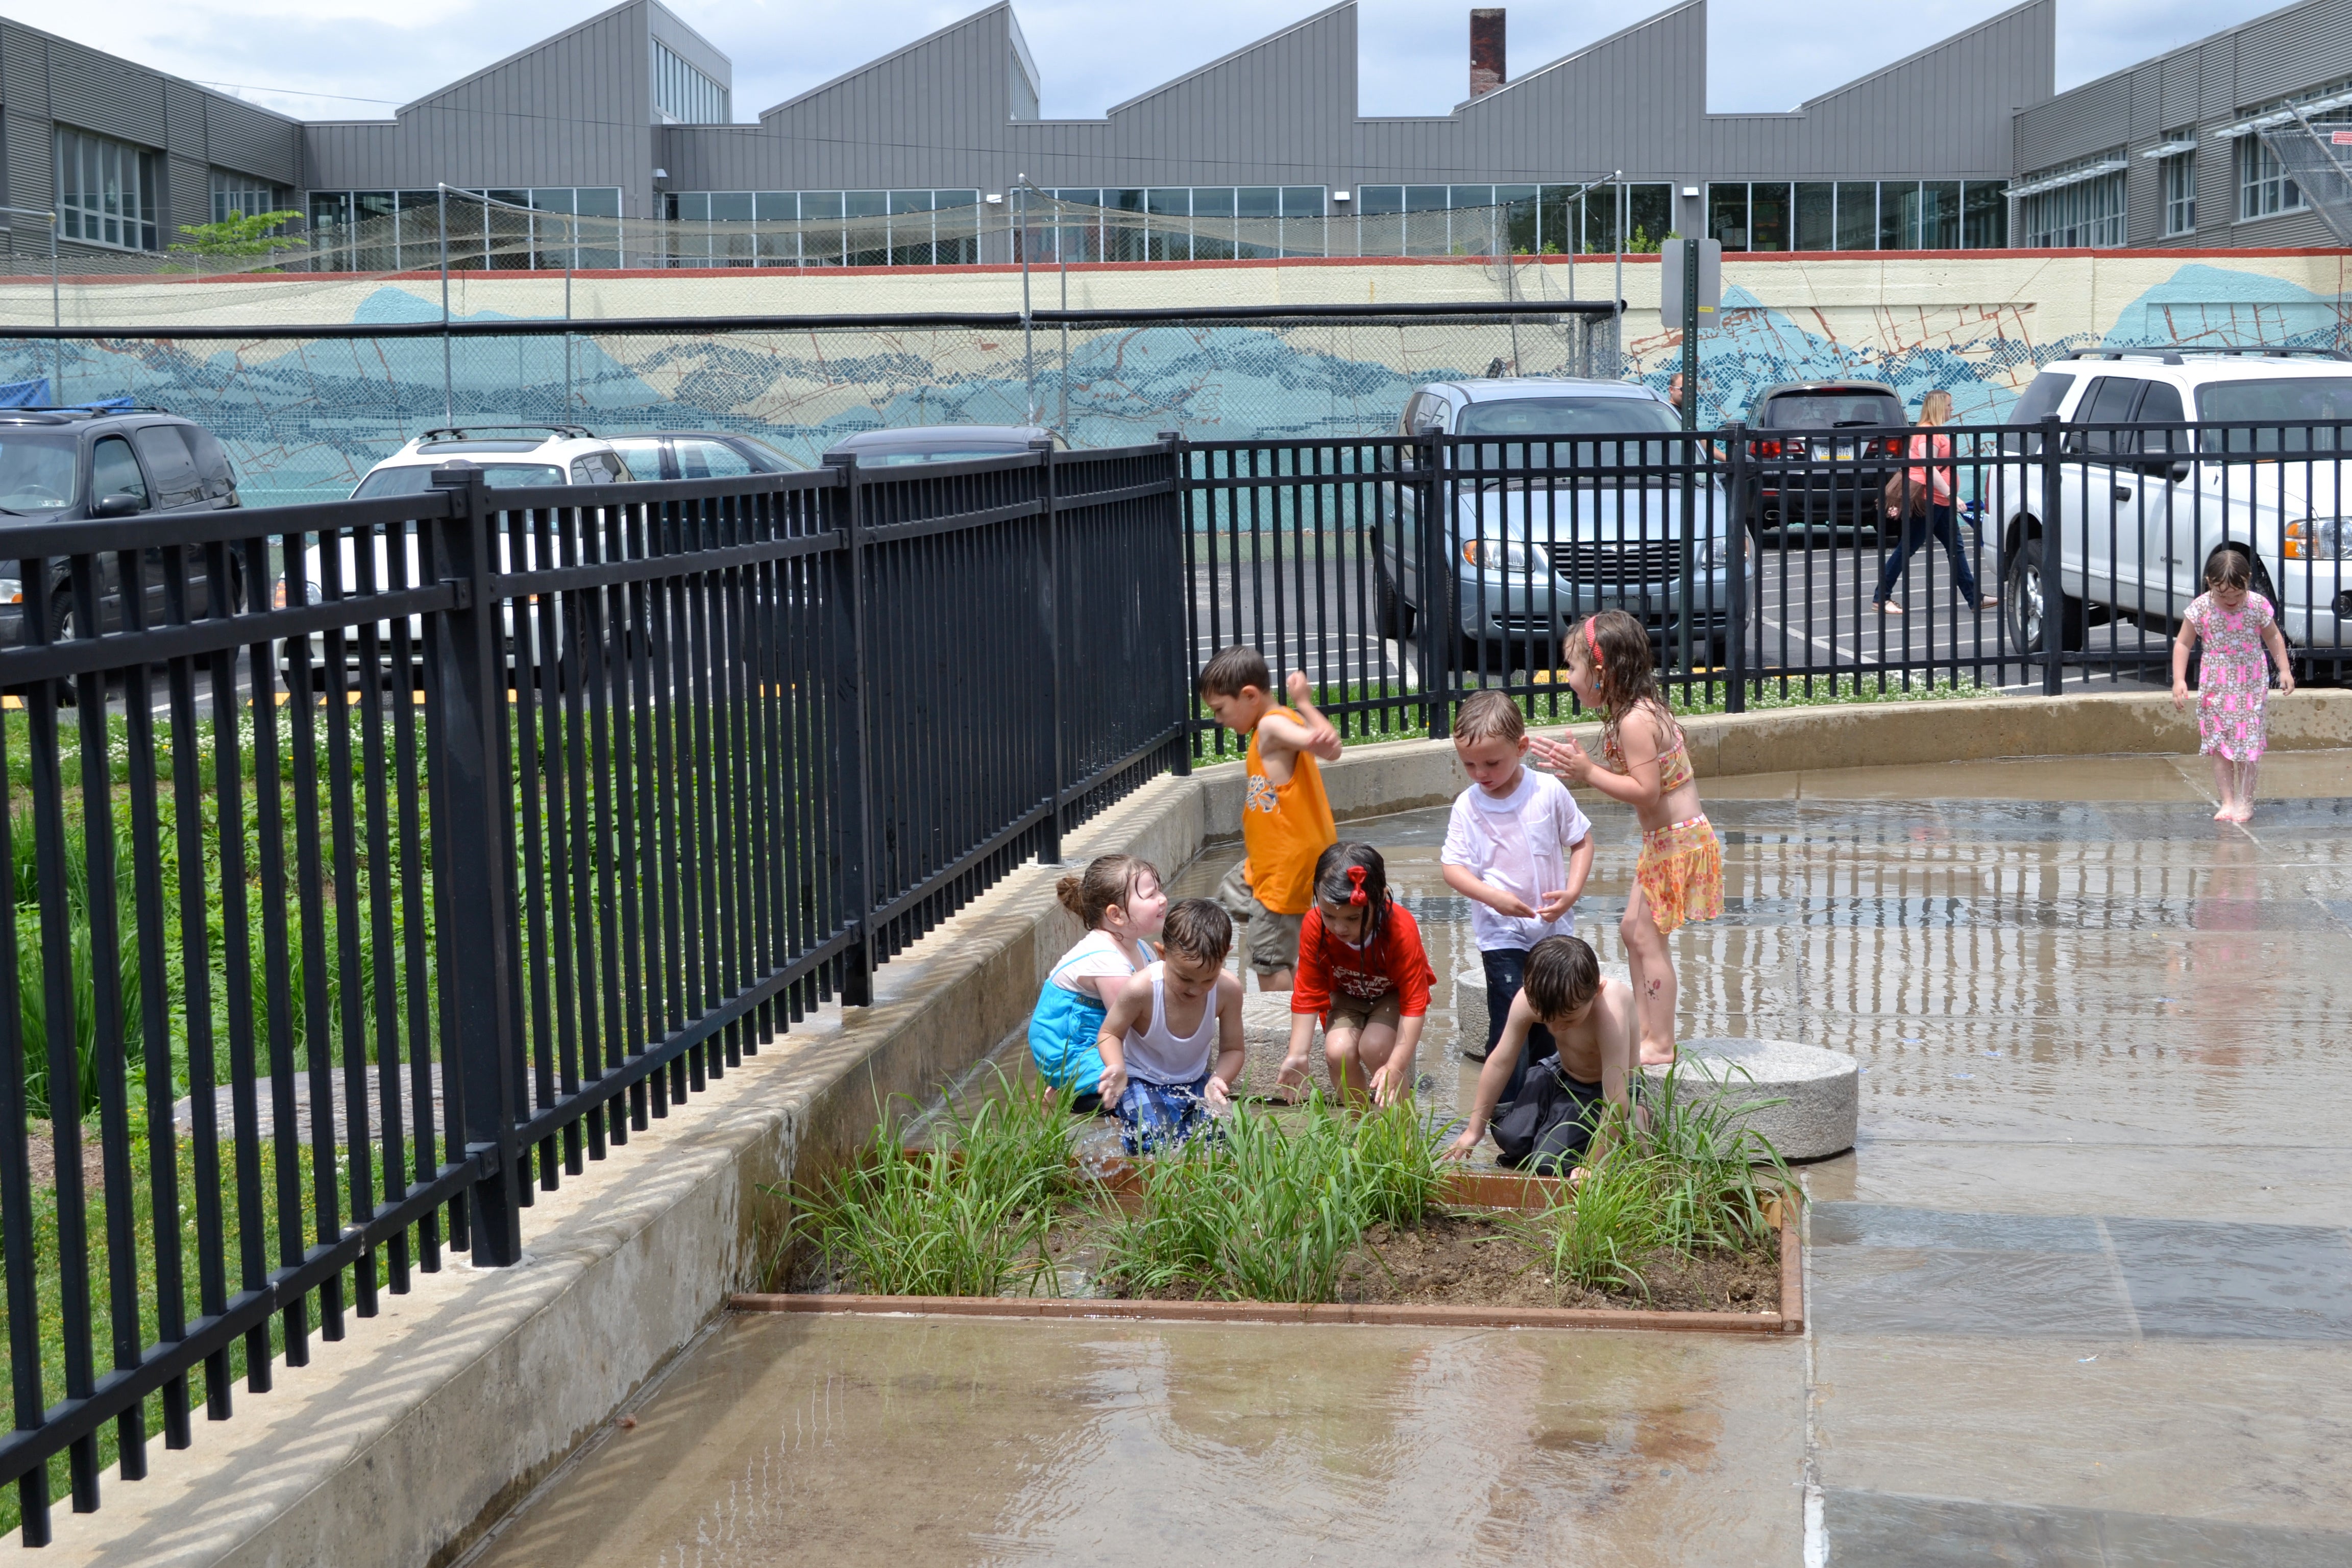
(1645, 764)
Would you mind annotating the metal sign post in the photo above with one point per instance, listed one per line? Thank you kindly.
(1689, 299)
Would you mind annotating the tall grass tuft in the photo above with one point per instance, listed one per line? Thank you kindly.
(1269, 1212)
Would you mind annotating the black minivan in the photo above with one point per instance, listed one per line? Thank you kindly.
(77, 465)
(1811, 467)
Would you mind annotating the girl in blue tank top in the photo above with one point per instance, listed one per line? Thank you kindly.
(1121, 902)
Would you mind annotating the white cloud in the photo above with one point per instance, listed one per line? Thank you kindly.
(358, 59)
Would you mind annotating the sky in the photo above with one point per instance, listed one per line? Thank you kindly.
(360, 58)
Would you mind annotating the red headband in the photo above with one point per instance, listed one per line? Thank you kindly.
(1356, 876)
(1592, 641)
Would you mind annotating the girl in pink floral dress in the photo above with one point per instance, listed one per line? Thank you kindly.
(2236, 626)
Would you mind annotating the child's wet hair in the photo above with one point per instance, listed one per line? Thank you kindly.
(1110, 880)
(2229, 567)
(1198, 930)
(1563, 975)
(1233, 669)
(1488, 715)
(1617, 650)
(1354, 874)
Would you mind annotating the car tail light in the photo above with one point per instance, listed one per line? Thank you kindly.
(1766, 448)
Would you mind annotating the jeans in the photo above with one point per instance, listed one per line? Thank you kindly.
(1914, 532)
(1506, 971)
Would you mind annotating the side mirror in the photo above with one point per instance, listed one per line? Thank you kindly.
(118, 505)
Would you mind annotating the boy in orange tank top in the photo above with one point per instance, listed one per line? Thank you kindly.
(1286, 820)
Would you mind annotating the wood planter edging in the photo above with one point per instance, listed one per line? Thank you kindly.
(1465, 1190)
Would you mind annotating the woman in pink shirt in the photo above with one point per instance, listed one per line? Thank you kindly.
(1933, 481)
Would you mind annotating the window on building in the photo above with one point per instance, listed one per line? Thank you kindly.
(244, 195)
(822, 228)
(2180, 192)
(545, 228)
(684, 95)
(2263, 187)
(1857, 215)
(1816, 206)
(1726, 214)
(1984, 215)
(2078, 205)
(107, 191)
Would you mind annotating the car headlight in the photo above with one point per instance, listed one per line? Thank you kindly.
(283, 594)
(2318, 539)
(1503, 555)
(1717, 550)
(12, 589)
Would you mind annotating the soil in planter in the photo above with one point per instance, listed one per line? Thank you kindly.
(1467, 1259)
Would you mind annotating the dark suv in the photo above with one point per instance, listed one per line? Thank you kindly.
(78, 465)
(1809, 474)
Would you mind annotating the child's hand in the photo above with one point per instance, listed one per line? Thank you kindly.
(1112, 1086)
(1219, 1099)
(1564, 757)
(2179, 695)
(1290, 1078)
(1461, 1148)
(1557, 904)
(2286, 682)
(1302, 695)
(1510, 904)
(1394, 1082)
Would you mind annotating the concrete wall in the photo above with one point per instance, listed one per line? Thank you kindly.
(400, 1444)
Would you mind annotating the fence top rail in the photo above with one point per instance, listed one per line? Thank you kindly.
(158, 530)
(705, 326)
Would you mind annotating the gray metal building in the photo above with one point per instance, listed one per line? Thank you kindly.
(629, 114)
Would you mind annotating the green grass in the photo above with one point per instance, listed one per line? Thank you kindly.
(1271, 1210)
(1691, 1181)
(968, 1216)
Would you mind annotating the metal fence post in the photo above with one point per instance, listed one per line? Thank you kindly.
(2053, 550)
(1734, 540)
(1440, 610)
(1052, 583)
(854, 818)
(472, 848)
(1180, 505)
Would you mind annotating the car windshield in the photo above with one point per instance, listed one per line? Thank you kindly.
(2279, 413)
(767, 457)
(1527, 427)
(36, 471)
(1829, 410)
(415, 478)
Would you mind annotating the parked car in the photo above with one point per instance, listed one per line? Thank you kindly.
(74, 464)
(940, 444)
(511, 457)
(2140, 509)
(1531, 551)
(1808, 476)
(700, 454)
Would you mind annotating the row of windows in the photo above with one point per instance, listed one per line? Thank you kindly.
(107, 191)
(400, 231)
(831, 228)
(683, 94)
(1859, 214)
(2088, 212)
(243, 195)
(2091, 212)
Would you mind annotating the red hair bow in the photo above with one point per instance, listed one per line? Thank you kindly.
(1356, 876)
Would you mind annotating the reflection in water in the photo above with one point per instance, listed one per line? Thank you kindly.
(853, 1441)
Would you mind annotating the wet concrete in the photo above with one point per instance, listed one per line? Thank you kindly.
(2082, 1294)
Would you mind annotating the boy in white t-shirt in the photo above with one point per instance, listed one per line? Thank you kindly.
(1519, 848)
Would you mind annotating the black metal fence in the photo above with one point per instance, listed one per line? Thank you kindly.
(379, 863)
(1403, 572)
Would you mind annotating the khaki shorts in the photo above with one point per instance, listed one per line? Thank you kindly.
(1269, 941)
(1358, 1013)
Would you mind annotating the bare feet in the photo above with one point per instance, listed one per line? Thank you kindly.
(2223, 815)
(1654, 1054)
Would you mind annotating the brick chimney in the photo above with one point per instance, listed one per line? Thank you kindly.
(1486, 71)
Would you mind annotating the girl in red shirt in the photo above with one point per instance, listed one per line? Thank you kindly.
(1361, 970)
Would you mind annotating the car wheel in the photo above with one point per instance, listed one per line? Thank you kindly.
(2033, 599)
(1395, 615)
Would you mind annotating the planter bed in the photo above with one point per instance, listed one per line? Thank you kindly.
(1459, 1269)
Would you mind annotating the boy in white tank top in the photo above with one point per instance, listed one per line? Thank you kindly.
(1159, 1038)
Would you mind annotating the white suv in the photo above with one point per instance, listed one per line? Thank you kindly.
(2140, 511)
(511, 457)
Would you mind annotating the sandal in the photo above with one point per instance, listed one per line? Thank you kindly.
(1889, 607)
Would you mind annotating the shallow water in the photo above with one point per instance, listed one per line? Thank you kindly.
(2082, 1295)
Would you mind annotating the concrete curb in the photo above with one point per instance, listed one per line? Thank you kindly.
(1388, 776)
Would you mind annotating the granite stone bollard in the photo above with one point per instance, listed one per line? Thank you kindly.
(1818, 1090)
(1470, 1010)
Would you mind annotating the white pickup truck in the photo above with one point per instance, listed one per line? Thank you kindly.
(2139, 511)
